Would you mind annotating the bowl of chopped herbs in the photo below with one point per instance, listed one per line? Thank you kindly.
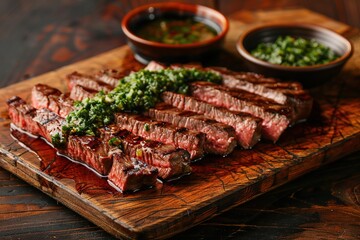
(302, 52)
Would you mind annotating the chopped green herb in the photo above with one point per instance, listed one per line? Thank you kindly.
(58, 141)
(115, 142)
(146, 127)
(176, 31)
(290, 51)
(137, 92)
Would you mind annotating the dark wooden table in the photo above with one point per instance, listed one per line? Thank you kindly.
(323, 204)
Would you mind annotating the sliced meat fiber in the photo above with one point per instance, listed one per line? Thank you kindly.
(276, 118)
(220, 138)
(86, 81)
(79, 93)
(191, 141)
(85, 149)
(247, 127)
(287, 93)
(44, 96)
(170, 161)
(130, 174)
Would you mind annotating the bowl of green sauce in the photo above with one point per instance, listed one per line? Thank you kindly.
(173, 31)
(306, 53)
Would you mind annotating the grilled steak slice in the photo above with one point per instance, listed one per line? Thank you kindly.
(247, 127)
(290, 93)
(44, 123)
(155, 66)
(287, 93)
(43, 96)
(130, 174)
(191, 141)
(21, 114)
(219, 139)
(216, 146)
(86, 81)
(40, 122)
(89, 150)
(85, 149)
(79, 93)
(169, 161)
(110, 77)
(275, 117)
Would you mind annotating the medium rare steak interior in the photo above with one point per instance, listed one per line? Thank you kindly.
(176, 114)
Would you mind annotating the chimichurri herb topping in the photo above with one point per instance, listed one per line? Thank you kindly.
(290, 51)
(146, 127)
(58, 141)
(176, 31)
(114, 142)
(137, 92)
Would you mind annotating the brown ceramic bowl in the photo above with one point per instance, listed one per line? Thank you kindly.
(146, 50)
(309, 76)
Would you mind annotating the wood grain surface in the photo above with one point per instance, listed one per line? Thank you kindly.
(216, 183)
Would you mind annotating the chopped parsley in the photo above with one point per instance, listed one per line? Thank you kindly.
(291, 51)
(146, 127)
(114, 141)
(58, 141)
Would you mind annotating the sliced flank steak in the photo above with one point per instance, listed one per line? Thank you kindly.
(191, 141)
(87, 81)
(169, 160)
(85, 149)
(247, 127)
(220, 138)
(288, 93)
(276, 118)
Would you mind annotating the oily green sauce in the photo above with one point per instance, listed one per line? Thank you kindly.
(135, 93)
(290, 51)
(176, 31)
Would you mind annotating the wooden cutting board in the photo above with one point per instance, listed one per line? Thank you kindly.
(217, 183)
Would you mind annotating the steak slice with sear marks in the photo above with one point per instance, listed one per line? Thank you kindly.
(79, 93)
(43, 96)
(220, 138)
(276, 118)
(86, 149)
(86, 81)
(170, 161)
(191, 141)
(247, 127)
(288, 93)
(130, 174)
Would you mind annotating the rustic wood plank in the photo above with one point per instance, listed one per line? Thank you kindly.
(173, 207)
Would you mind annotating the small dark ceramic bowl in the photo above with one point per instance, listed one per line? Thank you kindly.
(309, 76)
(146, 50)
